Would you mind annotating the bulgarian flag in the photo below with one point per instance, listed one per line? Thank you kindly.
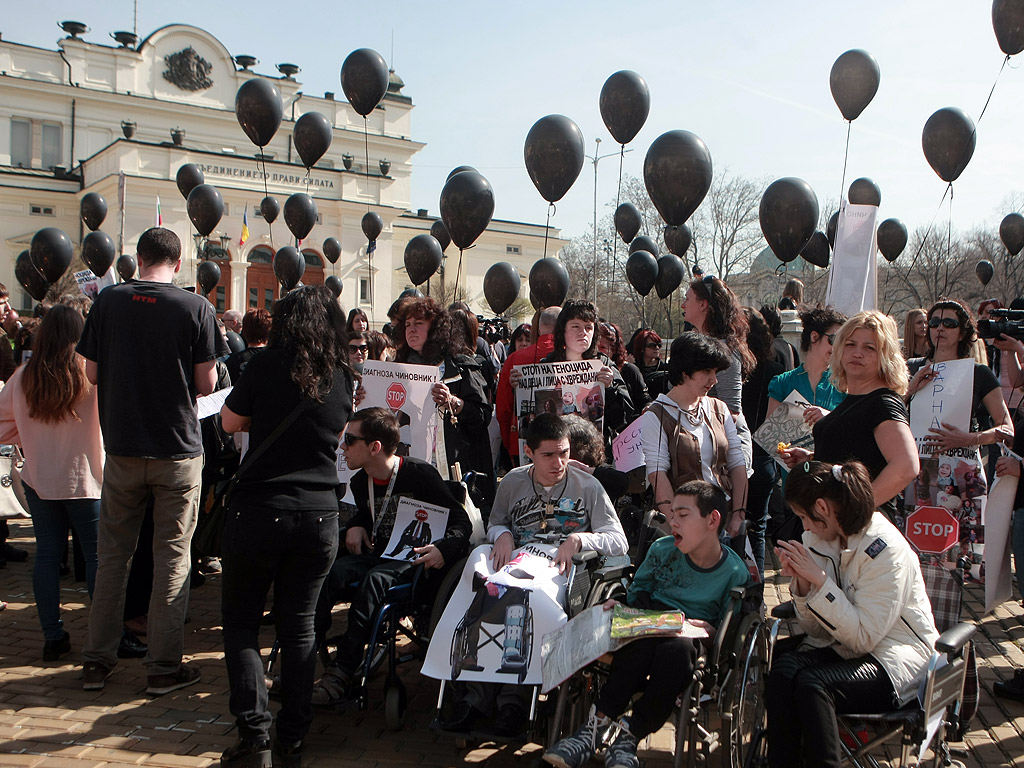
(159, 216)
(245, 226)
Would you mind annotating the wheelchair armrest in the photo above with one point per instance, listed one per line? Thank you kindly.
(586, 556)
(953, 640)
(614, 572)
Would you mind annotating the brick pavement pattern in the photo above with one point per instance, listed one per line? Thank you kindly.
(48, 721)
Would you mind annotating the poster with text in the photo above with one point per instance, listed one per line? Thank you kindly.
(416, 525)
(405, 391)
(492, 627)
(561, 389)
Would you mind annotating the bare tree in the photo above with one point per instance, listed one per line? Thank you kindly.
(726, 230)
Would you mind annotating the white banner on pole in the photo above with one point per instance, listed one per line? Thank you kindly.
(852, 281)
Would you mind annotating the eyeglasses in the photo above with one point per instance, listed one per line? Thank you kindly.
(653, 345)
(945, 322)
(831, 338)
(351, 439)
(358, 349)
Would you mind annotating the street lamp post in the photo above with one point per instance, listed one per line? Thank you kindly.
(595, 159)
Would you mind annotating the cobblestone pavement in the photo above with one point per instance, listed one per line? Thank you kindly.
(48, 721)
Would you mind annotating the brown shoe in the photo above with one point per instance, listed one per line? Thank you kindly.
(94, 675)
(183, 677)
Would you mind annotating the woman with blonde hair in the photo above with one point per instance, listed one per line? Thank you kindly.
(871, 425)
(915, 334)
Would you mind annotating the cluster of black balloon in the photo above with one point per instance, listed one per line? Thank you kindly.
(205, 207)
(467, 205)
(98, 249)
(44, 263)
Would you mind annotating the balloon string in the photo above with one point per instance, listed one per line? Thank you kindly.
(547, 226)
(949, 225)
(458, 276)
(924, 241)
(846, 159)
(618, 193)
(993, 90)
(366, 171)
(266, 193)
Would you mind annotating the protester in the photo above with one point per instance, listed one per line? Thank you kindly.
(49, 408)
(381, 347)
(382, 480)
(586, 449)
(520, 338)
(689, 435)
(150, 348)
(8, 323)
(646, 348)
(357, 322)
(233, 320)
(256, 333)
(915, 334)
(358, 350)
(794, 291)
(811, 379)
(861, 601)
(294, 398)
(785, 353)
(688, 571)
(609, 343)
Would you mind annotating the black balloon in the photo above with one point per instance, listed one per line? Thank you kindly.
(258, 109)
(98, 252)
(625, 103)
(789, 216)
(205, 208)
(126, 266)
(816, 251)
(364, 79)
(627, 221)
(984, 270)
(549, 282)
(93, 209)
(642, 271)
(644, 243)
(892, 238)
(948, 140)
(189, 177)
(1008, 23)
(333, 285)
(270, 208)
(830, 230)
(678, 239)
(411, 293)
(535, 302)
(423, 256)
(671, 272)
(440, 233)
(677, 173)
(854, 82)
(300, 215)
(332, 250)
(207, 275)
(460, 169)
(554, 155)
(51, 252)
(288, 266)
(29, 277)
(865, 192)
(312, 136)
(501, 286)
(467, 204)
(372, 225)
(1011, 232)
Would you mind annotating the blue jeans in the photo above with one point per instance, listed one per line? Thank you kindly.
(50, 520)
(759, 492)
(294, 551)
(1018, 548)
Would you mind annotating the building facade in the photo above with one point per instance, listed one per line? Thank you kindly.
(121, 120)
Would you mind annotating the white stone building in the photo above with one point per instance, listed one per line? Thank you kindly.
(80, 118)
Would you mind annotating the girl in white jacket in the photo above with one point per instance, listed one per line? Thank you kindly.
(861, 600)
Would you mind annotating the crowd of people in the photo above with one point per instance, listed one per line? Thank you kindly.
(101, 399)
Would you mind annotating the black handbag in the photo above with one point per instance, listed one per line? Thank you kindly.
(209, 537)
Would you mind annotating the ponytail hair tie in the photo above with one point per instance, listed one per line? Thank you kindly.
(837, 472)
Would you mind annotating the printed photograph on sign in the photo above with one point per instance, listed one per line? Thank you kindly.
(560, 389)
(416, 525)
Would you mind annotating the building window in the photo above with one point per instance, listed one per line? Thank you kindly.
(41, 210)
(513, 250)
(21, 143)
(221, 299)
(312, 258)
(51, 153)
(254, 297)
(364, 290)
(268, 299)
(261, 254)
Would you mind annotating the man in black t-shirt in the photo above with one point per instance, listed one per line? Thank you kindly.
(370, 442)
(150, 349)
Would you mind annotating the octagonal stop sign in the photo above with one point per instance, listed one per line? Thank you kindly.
(395, 396)
(932, 530)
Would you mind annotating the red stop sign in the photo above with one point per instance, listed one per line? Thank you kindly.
(396, 396)
(932, 529)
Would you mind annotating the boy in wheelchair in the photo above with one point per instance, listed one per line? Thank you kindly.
(370, 443)
(549, 500)
(689, 571)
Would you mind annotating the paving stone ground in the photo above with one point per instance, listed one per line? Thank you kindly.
(48, 721)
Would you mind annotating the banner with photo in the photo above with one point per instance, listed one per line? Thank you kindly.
(405, 391)
(561, 389)
(492, 627)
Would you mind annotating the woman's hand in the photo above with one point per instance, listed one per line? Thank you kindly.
(429, 557)
(797, 561)
(515, 377)
(813, 414)
(358, 397)
(947, 437)
(924, 374)
(441, 393)
(791, 457)
(605, 375)
(501, 552)
(1006, 465)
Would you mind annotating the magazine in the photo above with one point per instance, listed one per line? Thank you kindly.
(634, 622)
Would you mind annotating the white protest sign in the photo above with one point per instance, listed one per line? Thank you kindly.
(561, 389)
(90, 285)
(786, 425)
(405, 391)
(211, 404)
(945, 399)
(416, 525)
(628, 448)
(853, 281)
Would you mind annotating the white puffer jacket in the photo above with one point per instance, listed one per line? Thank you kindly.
(873, 602)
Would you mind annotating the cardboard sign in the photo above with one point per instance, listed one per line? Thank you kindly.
(628, 448)
(405, 391)
(561, 389)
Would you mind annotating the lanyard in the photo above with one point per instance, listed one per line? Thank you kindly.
(387, 497)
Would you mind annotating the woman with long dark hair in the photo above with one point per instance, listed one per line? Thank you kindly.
(50, 409)
(282, 524)
(609, 342)
(646, 348)
(357, 321)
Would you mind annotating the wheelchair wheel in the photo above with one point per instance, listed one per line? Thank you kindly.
(458, 654)
(743, 703)
(527, 643)
(395, 705)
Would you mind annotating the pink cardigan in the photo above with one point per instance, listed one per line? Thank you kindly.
(62, 461)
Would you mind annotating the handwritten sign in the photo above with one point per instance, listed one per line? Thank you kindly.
(628, 448)
(945, 399)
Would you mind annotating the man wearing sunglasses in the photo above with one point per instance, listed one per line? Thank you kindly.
(370, 443)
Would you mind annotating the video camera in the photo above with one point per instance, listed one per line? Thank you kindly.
(1009, 322)
(493, 329)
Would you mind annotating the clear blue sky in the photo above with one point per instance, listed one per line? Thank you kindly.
(751, 78)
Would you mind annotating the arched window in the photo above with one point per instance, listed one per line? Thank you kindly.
(312, 258)
(261, 254)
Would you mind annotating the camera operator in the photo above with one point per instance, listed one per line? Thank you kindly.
(1002, 330)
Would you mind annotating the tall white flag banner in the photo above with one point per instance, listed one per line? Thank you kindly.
(853, 280)
(405, 391)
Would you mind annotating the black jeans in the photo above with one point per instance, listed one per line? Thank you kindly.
(294, 551)
(806, 690)
(667, 661)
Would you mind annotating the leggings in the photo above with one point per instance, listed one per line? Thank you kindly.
(806, 690)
